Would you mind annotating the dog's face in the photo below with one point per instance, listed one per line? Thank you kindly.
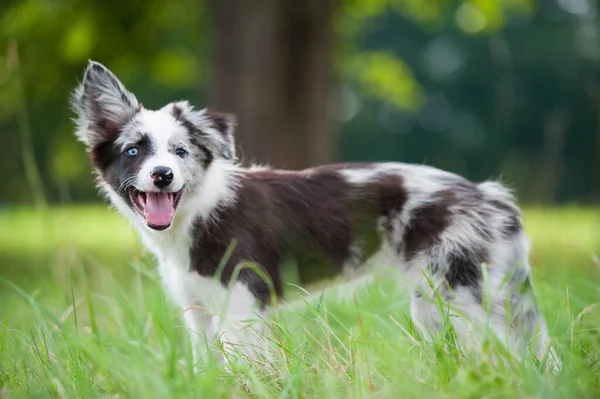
(147, 160)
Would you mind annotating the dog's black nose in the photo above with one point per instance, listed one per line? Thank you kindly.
(162, 176)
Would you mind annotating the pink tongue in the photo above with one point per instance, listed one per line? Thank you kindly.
(159, 209)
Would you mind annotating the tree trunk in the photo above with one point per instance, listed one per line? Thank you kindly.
(272, 65)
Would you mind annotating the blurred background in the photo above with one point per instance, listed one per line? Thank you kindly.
(505, 89)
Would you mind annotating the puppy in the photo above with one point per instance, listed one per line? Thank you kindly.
(173, 174)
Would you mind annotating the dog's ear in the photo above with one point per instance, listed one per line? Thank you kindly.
(224, 124)
(102, 104)
(214, 129)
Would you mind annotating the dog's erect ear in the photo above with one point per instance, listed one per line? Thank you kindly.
(102, 104)
(214, 129)
(225, 124)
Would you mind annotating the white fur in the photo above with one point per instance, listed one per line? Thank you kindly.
(164, 132)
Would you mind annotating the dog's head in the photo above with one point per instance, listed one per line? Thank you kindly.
(147, 160)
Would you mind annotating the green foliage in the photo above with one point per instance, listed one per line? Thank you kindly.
(437, 12)
(92, 322)
(508, 88)
(387, 77)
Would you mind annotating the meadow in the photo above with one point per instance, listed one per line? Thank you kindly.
(83, 315)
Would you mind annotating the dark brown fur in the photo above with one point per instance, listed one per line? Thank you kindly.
(313, 216)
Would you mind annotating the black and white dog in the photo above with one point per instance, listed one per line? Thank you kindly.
(174, 175)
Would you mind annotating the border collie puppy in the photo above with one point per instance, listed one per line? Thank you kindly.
(173, 174)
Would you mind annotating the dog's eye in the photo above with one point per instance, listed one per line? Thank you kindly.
(180, 152)
(132, 151)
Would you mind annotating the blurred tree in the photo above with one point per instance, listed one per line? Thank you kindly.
(272, 65)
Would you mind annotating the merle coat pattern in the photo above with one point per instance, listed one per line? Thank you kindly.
(428, 222)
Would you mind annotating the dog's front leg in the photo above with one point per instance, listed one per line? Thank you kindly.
(242, 325)
(243, 334)
(202, 329)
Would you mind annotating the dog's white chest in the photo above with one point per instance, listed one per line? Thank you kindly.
(187, 288)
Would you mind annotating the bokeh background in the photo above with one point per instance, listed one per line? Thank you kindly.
(505, 89)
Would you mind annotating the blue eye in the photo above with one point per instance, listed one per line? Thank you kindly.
(132, 151)
(180, 152)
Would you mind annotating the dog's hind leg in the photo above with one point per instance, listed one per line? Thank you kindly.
(425, 314)
(448, 298)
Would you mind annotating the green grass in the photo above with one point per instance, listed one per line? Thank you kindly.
(124, 339)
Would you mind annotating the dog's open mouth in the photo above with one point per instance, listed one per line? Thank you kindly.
(157, 209)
